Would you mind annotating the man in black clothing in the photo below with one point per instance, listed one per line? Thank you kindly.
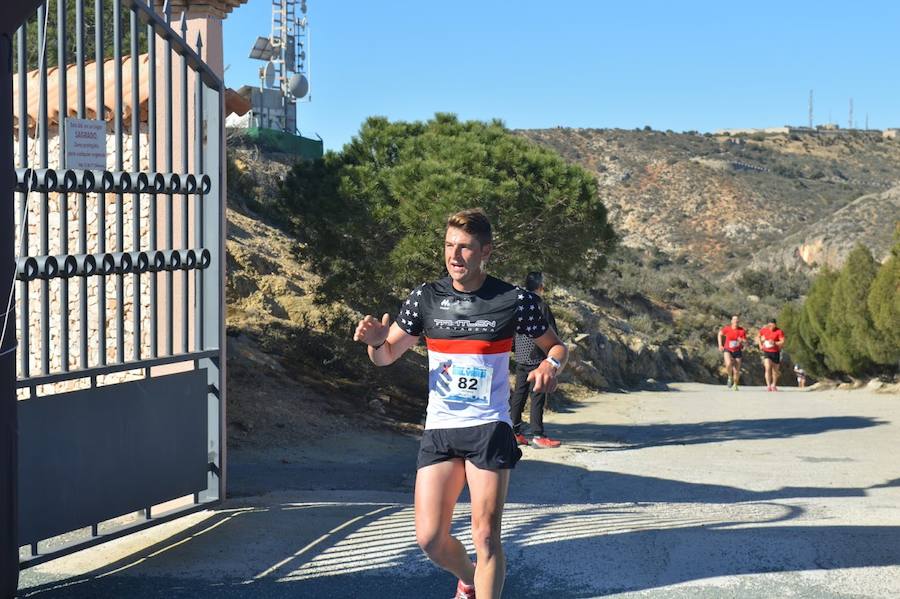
(528, 357)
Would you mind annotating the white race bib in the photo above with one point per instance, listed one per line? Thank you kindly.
(464, 384)
(768, 343)
(734, 343)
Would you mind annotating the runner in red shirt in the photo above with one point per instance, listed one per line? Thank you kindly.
(731, 342)
(771, 340)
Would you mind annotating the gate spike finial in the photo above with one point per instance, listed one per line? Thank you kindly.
(167, 11)
(199, 42)
(184, 25)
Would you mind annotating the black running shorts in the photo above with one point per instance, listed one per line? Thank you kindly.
(775, 356)
(736, 354)
(490, 446)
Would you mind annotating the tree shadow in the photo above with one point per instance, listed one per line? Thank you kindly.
(617, 533)
(641, 436)
(602, 486)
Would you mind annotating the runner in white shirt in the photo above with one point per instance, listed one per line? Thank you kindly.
(468, 320)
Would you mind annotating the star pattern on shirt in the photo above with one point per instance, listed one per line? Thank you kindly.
(534, 325)
(408, 316)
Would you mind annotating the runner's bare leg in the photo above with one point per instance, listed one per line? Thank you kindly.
(437, 489)
(488, 491)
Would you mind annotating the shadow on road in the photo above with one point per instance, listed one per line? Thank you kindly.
(641, 436)
(615, 533)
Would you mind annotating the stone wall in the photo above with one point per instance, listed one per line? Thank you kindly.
(75, 285)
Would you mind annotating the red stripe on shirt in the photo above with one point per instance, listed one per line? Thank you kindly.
(469, 346)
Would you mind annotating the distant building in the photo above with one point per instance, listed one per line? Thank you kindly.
(751, 131)
(890, 133)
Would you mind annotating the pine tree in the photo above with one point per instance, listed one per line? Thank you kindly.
(791, 321)
(373, 215)
(849, 332)
(33, 43)
(811, 321)
(884, 308)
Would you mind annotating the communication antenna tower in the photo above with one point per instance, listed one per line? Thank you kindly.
(850, 119)
(286, 53)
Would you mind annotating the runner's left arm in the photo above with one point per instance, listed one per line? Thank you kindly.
(532, 322)
(544, 376)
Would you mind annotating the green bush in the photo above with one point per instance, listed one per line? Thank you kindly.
(782, 285)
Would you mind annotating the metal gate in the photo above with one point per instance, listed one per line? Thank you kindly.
(120, 269)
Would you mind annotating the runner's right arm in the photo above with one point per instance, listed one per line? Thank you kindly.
(719, 337)
(386, 342)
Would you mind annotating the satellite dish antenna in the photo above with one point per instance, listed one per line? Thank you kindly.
(298, 85)
(284, 78)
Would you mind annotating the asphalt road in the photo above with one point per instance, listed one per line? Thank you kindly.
(697, 492)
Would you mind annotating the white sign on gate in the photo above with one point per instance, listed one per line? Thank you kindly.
(85, 144)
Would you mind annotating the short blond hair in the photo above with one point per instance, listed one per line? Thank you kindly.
(474, 222)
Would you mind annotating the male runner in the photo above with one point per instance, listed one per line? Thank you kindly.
(731, 342)
(528, 357)
(468, 320)
(771, 340)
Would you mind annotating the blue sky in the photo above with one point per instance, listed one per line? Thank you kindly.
(671, 65)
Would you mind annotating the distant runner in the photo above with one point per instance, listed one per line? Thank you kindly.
(468, 320)
(801, 376)
(731, 343)
(771, 340)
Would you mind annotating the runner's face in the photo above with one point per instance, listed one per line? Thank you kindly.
(734, 322)
(464, 256)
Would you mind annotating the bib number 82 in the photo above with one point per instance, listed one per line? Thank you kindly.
(467, 383)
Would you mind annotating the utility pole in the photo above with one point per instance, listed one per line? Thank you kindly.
(850, 119)
(810, 109)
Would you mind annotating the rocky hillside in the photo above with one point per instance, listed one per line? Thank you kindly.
(829, 240)
(726, 201)
(703, 219)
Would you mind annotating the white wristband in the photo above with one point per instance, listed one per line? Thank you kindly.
(553, 361)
